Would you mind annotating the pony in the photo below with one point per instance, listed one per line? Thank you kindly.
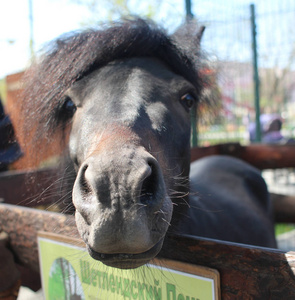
(119, 98)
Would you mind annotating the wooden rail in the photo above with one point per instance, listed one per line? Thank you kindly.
(29, 187)
(34, 188)
(261, 156)
(246, 272)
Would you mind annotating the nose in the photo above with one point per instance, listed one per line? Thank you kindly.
(150, 185)
(119, 180)
(121, 201)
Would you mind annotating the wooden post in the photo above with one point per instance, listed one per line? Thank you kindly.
(261, 156)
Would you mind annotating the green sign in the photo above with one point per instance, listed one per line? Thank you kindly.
(69, 273)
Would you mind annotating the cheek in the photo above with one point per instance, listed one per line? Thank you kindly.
(73, 149)
(177, 136)
(67, 132)
(76, 140)
(179, 132)
(168, 208)
(81, 136)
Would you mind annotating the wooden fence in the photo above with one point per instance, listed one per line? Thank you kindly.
(246, 272)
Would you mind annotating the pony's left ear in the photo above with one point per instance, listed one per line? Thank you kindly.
(200, 35)
(188, 36)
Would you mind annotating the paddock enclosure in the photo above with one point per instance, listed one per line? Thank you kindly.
(246, 272)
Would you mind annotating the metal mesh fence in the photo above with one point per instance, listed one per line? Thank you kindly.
(228, 43)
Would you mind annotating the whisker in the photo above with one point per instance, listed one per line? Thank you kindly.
(166, 221)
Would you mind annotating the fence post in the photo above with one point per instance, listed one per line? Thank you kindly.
(31, 28)
(194, 139)
(255, 72)
(188, 8)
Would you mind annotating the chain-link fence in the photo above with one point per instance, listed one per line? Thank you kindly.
(228, 42)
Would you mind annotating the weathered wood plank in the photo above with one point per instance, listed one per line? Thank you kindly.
(29, 187)
(22, 225)
(246, 272)
(283, 207)
(262, 156)
(42, 188)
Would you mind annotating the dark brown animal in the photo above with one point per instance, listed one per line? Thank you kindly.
(122, 98)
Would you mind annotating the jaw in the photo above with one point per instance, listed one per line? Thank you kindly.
(115, 247)
(126, 260)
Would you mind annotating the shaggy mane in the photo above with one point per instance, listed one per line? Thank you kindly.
(73, 56)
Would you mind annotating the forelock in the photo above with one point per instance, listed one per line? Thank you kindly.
(75, 55)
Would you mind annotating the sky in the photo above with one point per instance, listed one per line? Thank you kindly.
(55, 17)
(51, 18)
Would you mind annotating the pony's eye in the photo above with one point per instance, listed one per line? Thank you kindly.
(188, 100)
(68, 109)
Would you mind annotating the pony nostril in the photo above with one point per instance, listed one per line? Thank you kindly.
(84, 184)
(150, 186)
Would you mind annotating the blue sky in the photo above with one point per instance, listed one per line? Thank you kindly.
(54, 17)
(51, 18)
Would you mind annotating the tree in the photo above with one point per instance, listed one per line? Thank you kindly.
(110, 10)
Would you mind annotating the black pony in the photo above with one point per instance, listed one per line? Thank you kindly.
(121, 97)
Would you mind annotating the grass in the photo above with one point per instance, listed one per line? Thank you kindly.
(3, 90)
(281, 228)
